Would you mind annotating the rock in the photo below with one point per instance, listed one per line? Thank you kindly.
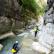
(46, 37)
(49, 15)
(9, 8)
(50, 3)
(1, 46)
(9, 34)
(5, 25)
(18, 26)
(39, 48)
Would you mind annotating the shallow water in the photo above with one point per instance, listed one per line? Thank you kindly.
(8, 43)
(27, 38)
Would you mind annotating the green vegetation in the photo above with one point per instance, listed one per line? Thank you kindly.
(31, 9)
(30, 4)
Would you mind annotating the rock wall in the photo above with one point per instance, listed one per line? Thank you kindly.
(49, 15)
(5, 24)
(10, 16)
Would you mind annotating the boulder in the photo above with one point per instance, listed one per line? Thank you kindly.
(1, 46)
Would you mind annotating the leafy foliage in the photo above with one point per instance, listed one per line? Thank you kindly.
(29, 4)
(31, 9)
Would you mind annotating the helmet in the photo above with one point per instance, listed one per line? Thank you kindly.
(16, 41)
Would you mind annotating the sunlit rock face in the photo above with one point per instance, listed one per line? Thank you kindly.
(46, 37)
(41, 3)
(40, 22)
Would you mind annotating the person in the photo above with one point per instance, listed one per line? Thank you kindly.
(15, 48)
(37, 29)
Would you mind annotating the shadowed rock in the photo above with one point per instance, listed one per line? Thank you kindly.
(5, 25)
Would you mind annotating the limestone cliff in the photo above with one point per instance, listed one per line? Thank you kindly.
(49, 15)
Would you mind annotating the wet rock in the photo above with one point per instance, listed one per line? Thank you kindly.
(9, 34)
(1, 46)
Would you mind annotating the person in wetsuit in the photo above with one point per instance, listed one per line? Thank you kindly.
(16, 47)
(37, 29)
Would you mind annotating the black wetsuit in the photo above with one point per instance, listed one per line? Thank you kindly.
(37, 29)
(35, 33)
(16, 47)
